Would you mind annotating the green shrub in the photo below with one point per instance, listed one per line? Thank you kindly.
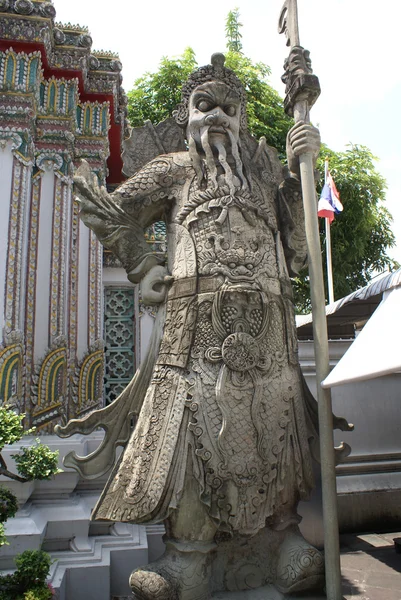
(11, 429)
(8, 587)
(38, 593)
(37, 462)
(8, 504)
(3, 539)
(33, 567)
(29, 580)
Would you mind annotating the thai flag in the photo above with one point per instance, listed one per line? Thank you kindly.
(329, 203)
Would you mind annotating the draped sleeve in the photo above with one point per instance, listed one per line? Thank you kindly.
(134, 206)
(292, 224)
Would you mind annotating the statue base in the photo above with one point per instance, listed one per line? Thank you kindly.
(268, 592)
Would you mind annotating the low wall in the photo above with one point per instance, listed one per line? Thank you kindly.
(369, 480)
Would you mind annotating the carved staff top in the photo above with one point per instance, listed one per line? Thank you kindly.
(302, 87)
(288, 22)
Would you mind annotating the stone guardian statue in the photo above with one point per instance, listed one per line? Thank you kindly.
(221, 451)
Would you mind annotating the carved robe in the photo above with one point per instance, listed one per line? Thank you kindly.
(226, 397)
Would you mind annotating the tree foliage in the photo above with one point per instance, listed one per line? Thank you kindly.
(233, 31)
(36, 462)
(155, 95)
(28, 582)
(266, 116)
(361, 235)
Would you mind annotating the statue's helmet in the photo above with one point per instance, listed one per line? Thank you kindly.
(214, 72)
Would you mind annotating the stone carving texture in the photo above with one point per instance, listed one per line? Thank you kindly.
(220, 449)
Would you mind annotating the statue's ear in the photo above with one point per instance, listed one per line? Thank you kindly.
(181, 115)
(243, 121)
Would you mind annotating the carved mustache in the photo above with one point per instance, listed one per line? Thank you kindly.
(217, 123)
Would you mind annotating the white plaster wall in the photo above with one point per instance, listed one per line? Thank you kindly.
(42, 309)
(83, 290)
(116, 277)
(373, 406)
(6, 172)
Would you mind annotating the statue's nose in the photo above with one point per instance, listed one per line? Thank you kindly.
(217, 118)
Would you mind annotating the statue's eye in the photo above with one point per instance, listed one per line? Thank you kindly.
(230, 110)
(204, 105)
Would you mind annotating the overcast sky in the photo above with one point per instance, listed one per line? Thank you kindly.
(354, 47)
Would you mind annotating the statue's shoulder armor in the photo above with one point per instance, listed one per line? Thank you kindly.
(182, 159)
(159, 173)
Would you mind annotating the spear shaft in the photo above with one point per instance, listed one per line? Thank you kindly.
(302, 91)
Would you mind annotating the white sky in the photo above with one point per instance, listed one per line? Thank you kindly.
(354, 47)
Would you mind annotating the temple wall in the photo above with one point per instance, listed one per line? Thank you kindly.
(6, 179)
(60, 102)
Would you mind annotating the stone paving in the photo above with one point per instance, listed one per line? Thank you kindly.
(370, 566)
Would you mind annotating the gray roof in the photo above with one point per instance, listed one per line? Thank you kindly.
(344, 315)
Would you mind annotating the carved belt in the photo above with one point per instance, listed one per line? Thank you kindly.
(189, 286)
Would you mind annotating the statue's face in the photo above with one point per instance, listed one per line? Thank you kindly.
(216, 107)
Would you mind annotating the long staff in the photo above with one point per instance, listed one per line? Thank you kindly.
(302, 90)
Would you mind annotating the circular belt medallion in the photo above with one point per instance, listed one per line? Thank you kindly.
(240, 352)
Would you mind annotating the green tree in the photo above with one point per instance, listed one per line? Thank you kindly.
(28, 582)
(233, 33)
(361, 235)
(266, 116)
(155, 95)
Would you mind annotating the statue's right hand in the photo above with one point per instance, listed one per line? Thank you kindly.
(86, 183)
(96, 205)
(155, 284)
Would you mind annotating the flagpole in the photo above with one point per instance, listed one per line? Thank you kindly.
(302, 90)
(328, 246)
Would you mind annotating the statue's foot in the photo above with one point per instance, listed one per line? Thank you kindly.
(300, 566)
(146, 584)
(182, 573)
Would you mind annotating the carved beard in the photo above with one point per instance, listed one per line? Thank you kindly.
(214, 154)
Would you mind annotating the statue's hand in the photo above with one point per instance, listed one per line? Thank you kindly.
(303, 138)
(98, 210)
(155, 284)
